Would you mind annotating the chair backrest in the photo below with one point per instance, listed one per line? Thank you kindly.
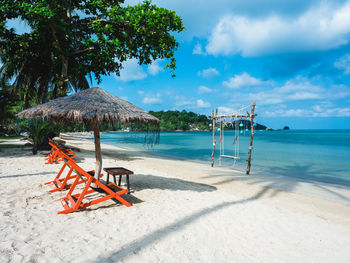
(80, 171)
(71, 163)
(60, 151)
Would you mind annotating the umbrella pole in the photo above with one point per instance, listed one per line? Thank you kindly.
(98, 166)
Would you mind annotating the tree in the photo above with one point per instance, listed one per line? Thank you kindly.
(70, 39)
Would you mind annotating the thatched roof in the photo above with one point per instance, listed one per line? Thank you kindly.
(88, 104)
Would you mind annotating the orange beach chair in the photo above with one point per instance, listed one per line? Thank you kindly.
(60, 182)
(53, 156)
(74, 201)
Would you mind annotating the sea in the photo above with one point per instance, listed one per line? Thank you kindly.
(318, 155)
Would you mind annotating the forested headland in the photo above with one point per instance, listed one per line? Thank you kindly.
(181, 120)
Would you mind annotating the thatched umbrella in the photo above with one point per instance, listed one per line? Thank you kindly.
(93, 106)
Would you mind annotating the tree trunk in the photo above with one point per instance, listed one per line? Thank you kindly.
(29, 85)
(43, 91)
(64, 71)
(98, 154)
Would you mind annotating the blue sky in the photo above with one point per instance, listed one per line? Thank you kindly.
(291, 57)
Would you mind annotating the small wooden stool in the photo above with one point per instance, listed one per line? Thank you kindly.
(120, 171)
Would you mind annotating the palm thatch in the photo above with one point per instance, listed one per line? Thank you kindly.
(89, 105)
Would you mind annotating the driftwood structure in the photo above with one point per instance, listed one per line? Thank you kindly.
(248, 115)
(92, 106)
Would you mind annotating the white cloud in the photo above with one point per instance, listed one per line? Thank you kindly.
(297, 89)
(243, 80)
(202, 104)
(299, 84)
(208, 73)
(182, 101)
(131, 71)
(204, 89)
(338, 92)
(343, 63)
(198, 50)
(152, 99)
(316, 111)
(154, 68)
(224, 109)
(322, 27)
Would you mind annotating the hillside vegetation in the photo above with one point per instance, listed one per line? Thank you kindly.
(181, 120)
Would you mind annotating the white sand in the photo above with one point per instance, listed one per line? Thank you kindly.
(182, 212)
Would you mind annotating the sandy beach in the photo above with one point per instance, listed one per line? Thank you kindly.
(182, 212)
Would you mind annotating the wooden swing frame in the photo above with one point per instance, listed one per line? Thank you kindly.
(251, 115)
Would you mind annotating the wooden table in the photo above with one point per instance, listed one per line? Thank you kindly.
(120, 171)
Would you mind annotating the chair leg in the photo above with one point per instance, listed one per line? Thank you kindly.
(120, 179)
(128, 183)
(107, 178)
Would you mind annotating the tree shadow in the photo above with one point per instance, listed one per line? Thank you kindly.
(140, 182)
(159, 234)
(308, 172)
(279, 179)
(112, 154)
(301, 172)
(273, 184)
(13, 151)
(26, 174)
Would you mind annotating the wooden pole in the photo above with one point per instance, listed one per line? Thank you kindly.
(98, 154)
(214, 121)
(251, 116)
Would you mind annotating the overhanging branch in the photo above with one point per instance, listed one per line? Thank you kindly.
(82, 51)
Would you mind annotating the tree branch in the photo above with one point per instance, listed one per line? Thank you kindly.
(82, 51)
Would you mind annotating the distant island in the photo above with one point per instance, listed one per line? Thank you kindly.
(182, 120)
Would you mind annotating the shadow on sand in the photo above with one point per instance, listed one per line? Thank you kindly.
(141, 181)
(282, 182)
(161, 233)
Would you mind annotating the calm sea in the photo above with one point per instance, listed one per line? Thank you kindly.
(322, 155)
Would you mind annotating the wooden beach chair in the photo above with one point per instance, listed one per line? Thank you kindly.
(60, 182)
(53, 156)
(74, 201)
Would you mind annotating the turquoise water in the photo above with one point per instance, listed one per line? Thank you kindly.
(322, 155)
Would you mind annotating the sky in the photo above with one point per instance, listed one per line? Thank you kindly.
(291, 57)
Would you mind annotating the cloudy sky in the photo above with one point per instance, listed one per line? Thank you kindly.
(291, 57)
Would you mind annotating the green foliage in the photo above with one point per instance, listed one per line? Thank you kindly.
(184, 121)
(9, 106)
(69, 40)
(40, 131)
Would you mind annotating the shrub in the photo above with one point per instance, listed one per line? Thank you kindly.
(40, 131)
